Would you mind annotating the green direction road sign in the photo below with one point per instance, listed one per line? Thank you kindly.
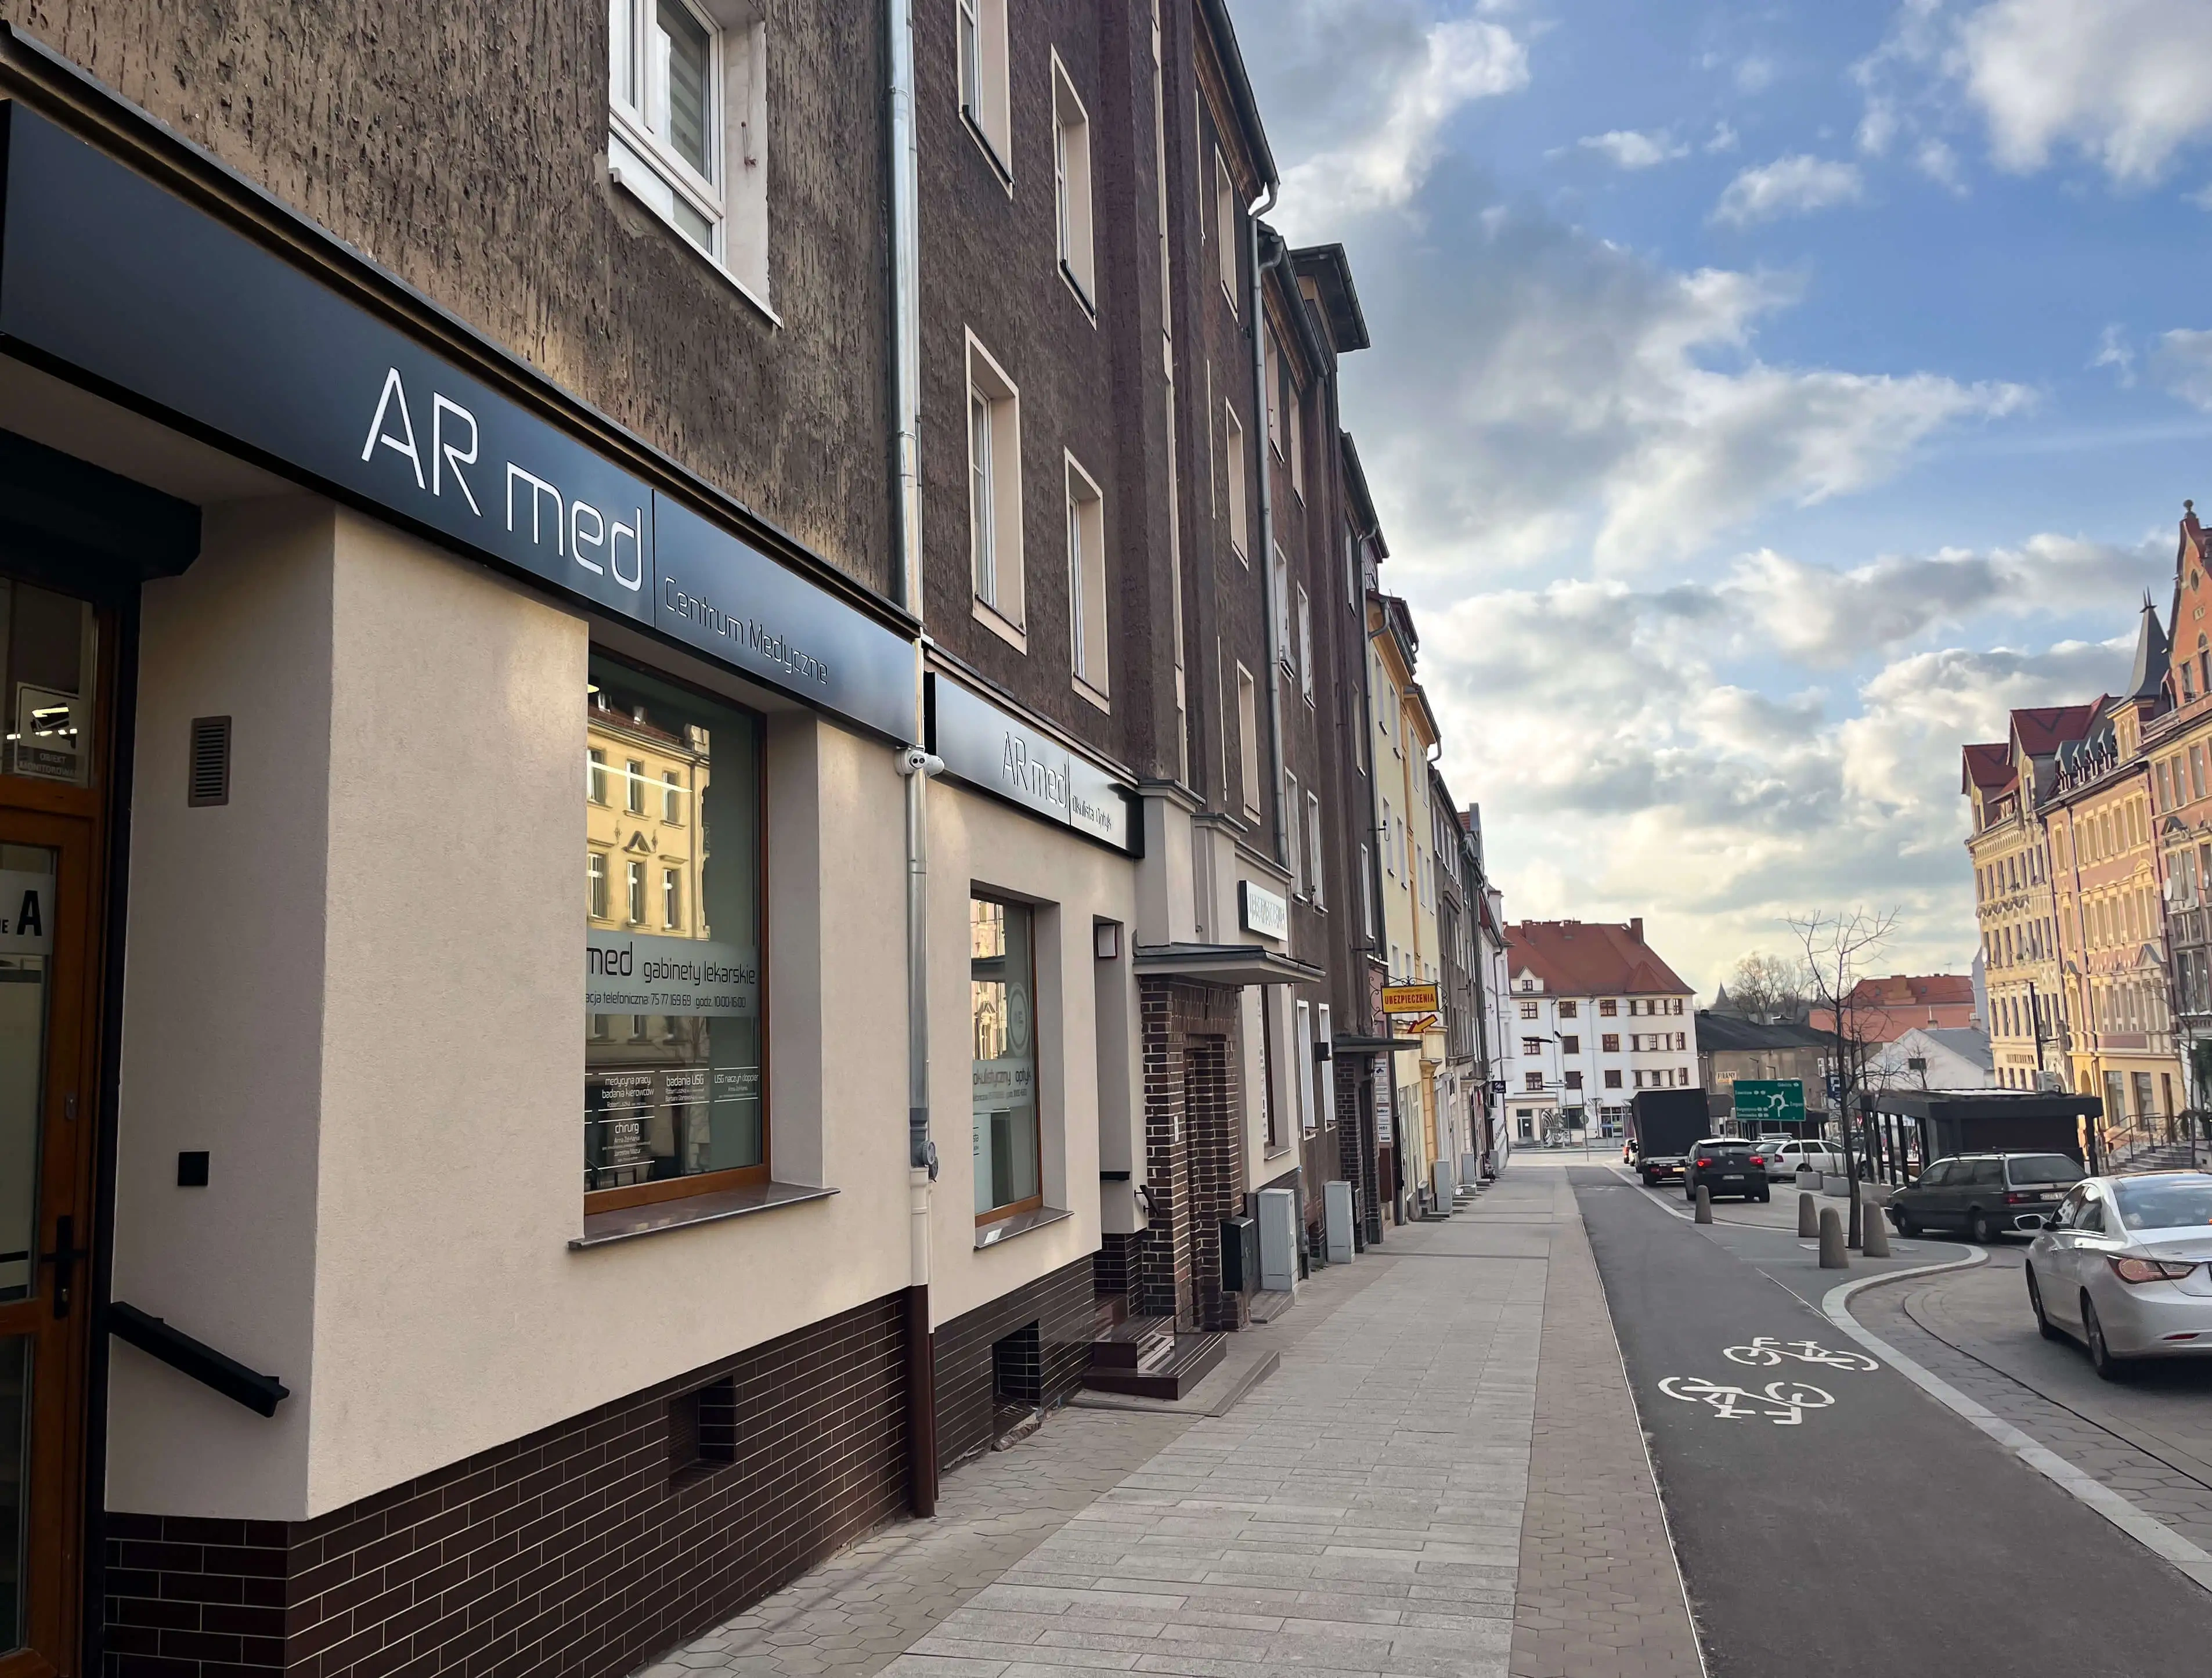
(1769, 1101)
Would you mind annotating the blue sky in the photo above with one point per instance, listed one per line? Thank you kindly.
(1764, 398)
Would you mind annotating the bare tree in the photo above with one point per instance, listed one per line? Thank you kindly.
(1837, 946)
(1770, 987)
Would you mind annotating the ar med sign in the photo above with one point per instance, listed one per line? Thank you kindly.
(1410, 999)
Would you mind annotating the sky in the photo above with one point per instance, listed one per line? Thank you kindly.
(1764, 400)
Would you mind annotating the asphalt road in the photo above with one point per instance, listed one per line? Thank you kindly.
(1874, 1533)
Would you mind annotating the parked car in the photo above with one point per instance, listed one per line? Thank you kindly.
(1983, 1195)
(1784, 1158)
(1726, 1165)
(2125, 1266)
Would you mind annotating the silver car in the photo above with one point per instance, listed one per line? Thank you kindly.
(2125, 1266)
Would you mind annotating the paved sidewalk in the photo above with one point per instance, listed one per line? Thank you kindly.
(1366, 1510)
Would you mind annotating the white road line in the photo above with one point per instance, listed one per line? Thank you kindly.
(2151, 1533)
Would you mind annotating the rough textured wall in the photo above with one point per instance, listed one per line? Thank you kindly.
(463, 149)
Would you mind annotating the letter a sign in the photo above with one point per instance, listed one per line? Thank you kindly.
(26, 903)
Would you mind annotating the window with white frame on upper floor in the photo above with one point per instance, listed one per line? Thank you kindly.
(1305, 645)
(1278, 587)
(687, 101)
(994, 492)
(1225, 225)
(1247, 730)
(1313, 848)
(1390, 851)
(1296, 443)
(1272, 378)
(1293, 845)
(1070, 184)
(1232, 437)
(1086, 581)
(986, 94)
(1528, 1011)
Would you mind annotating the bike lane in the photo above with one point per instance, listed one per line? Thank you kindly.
(1833, 1519)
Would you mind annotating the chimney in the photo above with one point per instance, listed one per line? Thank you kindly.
(1635, 928)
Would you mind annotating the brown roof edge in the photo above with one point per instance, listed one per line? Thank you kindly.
(1239, 87)
(1330, 270)
(1363, 499)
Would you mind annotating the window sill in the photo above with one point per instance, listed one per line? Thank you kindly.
(1082, 291)
(618, 173)
(1001, 626)
(998, 167)
(602, 1229)
(1085, 690)
(1037, 1217)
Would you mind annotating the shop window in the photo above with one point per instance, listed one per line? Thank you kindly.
(1002, 1006)
(49, 646)
(688, 124)
(673, 1097)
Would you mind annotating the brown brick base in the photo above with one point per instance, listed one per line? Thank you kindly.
(1062, 1307)
(578, 1552)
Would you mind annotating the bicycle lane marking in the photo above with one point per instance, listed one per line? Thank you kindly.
(2151, 1533)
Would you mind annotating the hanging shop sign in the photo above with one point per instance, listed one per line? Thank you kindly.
(992, 749)
(108, 273)
(1410, 999)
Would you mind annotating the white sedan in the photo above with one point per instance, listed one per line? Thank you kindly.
(1786, 1156)
(2125, 1266)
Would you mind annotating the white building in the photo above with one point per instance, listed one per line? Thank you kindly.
(1594, 1014)
(1934, 1057)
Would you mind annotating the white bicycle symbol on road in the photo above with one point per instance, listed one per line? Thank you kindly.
(1764, 1351)
(1789, 1400)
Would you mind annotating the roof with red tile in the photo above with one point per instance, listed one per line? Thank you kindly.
(2041, 731)
(1590, 958)
(1883, 1010)
(1988, 766)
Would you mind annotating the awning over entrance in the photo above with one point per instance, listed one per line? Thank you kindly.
(1358, 1045)
(1224, 965)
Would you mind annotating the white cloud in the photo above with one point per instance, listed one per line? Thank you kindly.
(1629, 148)
(1722, 138)
(1650, 782)
(1940, 164)
(2124, 80)
(1360, 92)
(2181, 361)
(1754, 74)
(2121, 82)
(2113, 350)
(1793, 185)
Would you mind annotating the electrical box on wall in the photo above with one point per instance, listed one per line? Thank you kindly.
(1278, 1240)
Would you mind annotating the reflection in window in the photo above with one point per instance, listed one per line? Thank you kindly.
(1001, 968)
(47, 649)
(672, 1062)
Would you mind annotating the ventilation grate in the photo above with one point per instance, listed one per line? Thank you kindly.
(210, 772)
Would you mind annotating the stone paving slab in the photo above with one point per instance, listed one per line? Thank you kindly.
(1599, 1594)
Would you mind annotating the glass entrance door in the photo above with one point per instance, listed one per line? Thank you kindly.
(46, 1132)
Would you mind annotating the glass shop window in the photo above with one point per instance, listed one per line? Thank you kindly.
(1002, 992)
(674, 1050)
(47, 648)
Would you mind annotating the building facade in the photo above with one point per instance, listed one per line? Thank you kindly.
(1595, 1015)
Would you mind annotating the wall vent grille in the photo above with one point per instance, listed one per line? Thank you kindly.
(210, 768)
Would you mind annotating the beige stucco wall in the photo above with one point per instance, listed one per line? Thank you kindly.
(977, 840)
(358, 986)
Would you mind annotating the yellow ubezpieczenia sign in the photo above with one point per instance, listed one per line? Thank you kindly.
(1410, 999)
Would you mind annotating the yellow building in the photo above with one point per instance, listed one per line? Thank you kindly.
(1406, 732)
(2111, 924)
(2015, 901)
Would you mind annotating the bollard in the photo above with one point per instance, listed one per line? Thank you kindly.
(1875, 1241)
(1833, 1255)
(1808, 1215)
(1704, 1204)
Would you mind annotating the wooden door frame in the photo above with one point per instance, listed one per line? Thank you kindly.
(62, 1615)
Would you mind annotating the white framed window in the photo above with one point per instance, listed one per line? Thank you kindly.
(1325, 1032)
(636, 904)
(1279, 584)
(634, 787)
(985, 94)
(1390, 841)
(1296, 443)
(1225, 226)
(994, 494)
(1086, 582)
(1305, 645)
(595, 881)
(671, 799)
(1293, 849)
(671, 898)
(1366, 891)
(1272, 380)
(1232, 435)
(1071, 184)
(1313, 848)
(687, 101)
(1309, 1117)
(1248, 731)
